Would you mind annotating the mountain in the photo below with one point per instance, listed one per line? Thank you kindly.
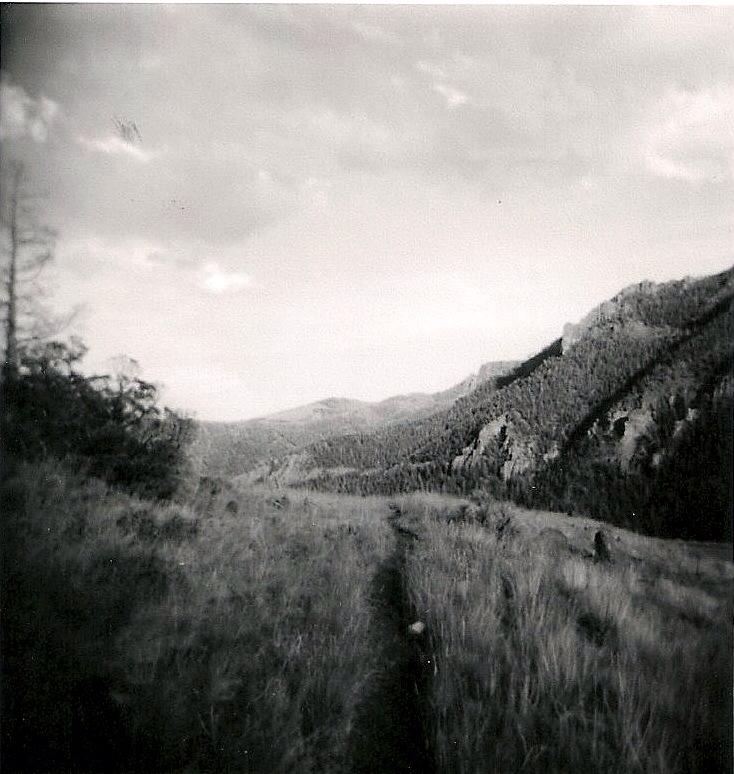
(230, 449)
(626, 417)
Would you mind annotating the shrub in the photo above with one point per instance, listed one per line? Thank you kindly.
(112, 427)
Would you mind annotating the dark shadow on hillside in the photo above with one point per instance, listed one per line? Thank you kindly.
(554, 349)
(605, 405)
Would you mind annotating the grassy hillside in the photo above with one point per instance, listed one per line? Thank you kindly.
(607, 422)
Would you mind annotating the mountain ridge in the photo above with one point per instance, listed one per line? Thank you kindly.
(597, 420)
(233, 448)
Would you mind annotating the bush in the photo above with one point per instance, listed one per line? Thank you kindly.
(112, 427)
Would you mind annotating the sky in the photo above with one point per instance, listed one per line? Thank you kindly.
(267, 205)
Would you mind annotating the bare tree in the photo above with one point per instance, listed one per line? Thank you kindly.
(27, 248)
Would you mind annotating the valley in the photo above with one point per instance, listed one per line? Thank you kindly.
(367, 388)
(529, 572)
(230, 449)
(626, 417)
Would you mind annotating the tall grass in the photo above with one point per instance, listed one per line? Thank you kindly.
(236, 631)
(150, 637)
(546, 661)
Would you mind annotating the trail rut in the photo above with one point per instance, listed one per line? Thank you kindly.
(389, 734)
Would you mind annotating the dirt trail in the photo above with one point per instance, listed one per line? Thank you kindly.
(388, 735)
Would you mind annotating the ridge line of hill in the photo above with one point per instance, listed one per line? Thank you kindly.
(639, 377)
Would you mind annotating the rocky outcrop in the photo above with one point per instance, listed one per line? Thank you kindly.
(607, 312)
(501, 441)
(494, 369)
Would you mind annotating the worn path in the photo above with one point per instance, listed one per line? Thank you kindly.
(388, 734)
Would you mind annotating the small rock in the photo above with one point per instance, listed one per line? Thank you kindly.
(417, 628)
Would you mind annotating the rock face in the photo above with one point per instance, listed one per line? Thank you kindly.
(635, 424)
(630, 429)
(499, 439)
(487, 372)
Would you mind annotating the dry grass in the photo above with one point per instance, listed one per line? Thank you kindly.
(545, 660)
(235, 633)
(158, 637)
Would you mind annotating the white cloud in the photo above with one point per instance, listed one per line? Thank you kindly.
(453, 97)
(339, 128)
(88, 254)
(589, 183)
(373, 33)
(693, 136)
(217, 280)
(448, 70)
(22, 116)
(112, 145)
(315, 193)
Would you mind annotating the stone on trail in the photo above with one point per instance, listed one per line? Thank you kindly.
(417, 628)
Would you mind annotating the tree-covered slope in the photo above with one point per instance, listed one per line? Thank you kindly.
(233, 448)
(620, 416)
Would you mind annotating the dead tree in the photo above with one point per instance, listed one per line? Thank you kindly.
(27, 248)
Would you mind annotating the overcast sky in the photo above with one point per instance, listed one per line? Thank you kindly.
(363, 201)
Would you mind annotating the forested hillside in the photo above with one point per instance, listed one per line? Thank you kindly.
(627, 417)
(233, 448)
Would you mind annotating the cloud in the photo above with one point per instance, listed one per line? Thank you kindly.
(373, 33)
(217, 280)
(692, 138)
(23, 116)
(359, 141)
(453, 97)
(112, 145)
(86, 254)
(315, 192)
(430, 68)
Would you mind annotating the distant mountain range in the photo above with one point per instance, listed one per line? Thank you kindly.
(232, 448)
(627, 417)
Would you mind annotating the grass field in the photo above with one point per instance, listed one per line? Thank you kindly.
(261, 631)
(548, 661)
(183, 637)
